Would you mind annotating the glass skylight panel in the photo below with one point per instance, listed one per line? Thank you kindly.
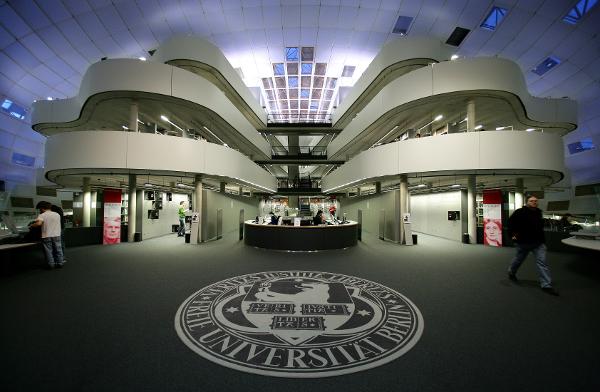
(293, 81)
(308, 53)
(304, 93)
(22, 159)
(402, 25)
(494, 18)
(280, 82)
(328, 94)
(304, 104)
(294, 104)
(546, 65)
(278, 69)
(581, 146)
(581, 8)
(293, 93)
(316, 93)
(320, 68)
(282, 93)
(318, 82)
(291, 54)
(292, 68)
(13, 109)
(331, 82)
(283, 105)
(348, 71)
(307, 68)
(270, 95)
(267, 83)
(306, 81)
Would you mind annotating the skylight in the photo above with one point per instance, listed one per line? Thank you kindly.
(278, 69)
(13, 109)
(348, 71)
(546, 65)
(494, 18)
(581, 8)
(581, 146)
(22, 159)
(307, 68)
(308, 53)
(291, 54)
(402, 25)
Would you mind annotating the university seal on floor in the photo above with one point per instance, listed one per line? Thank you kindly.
(298, 323)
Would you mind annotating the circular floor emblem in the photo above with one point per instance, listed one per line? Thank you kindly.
(299, 323)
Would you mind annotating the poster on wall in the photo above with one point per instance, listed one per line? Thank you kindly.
(492, 217)
(112, 217)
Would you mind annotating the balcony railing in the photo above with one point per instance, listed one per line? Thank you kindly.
(308, 152)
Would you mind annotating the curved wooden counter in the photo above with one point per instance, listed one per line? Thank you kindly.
(301, 238)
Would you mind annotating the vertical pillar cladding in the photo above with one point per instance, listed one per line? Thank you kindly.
(131, 208)
(87, 201)
(472, 209)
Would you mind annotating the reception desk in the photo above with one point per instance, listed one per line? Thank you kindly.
(301, 238)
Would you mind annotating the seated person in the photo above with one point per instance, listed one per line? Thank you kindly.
(319, 218)
(274, 218)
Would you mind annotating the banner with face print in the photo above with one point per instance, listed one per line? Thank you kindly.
(112, 217)
(492, 217)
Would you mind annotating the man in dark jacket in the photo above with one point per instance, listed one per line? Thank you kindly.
(526, 227)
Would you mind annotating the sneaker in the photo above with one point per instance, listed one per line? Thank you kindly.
(550, 290)
(512, 277)
(58, 265)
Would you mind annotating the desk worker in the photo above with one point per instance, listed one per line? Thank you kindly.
(319, 218)
(274, 218)
(49, 221)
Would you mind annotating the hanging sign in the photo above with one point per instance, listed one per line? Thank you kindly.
(112, 217)
(492, 217)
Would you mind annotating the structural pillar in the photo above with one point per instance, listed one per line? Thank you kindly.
(198, 207)
(222, 187)
(133, 117)
(87, 201)
(471, 116)
(131, 208)
(519, 200)
(472, 209)
(378, 187)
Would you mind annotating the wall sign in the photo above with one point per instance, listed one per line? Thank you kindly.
(112, 217)
(298, 323)
(492, 217)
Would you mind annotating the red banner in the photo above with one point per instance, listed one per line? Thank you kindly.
(492, 217)
(112, 217)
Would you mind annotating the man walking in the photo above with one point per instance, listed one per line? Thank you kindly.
(526, 226)
(50, 223)
(181, 231)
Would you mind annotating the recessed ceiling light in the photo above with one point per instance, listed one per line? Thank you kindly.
(142, 58)
(454, 57)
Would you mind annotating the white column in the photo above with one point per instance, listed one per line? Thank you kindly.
(198, 206)
(131, 208)
(471, 116)
(133, 117)
(519, 202)
(87, 201)
(472, 209)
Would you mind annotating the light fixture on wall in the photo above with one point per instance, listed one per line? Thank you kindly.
(437, 118)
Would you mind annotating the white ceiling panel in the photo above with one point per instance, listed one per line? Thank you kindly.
(93, 26)
(593, 69)
(271, 18)
(212, 6)
(37, 47)
(587, 53)
(99, 3)
(144, 37)
(216, 21)
(42, 72)
(13, 22)
(55, 10)
(111, 19)
(130, 13)
(554, 9)
(346, 18)
(22, 56)
(235, 19)
(77, 7)
(32, 84)
(6, 38)
(109, 47)
(308, 37)
(76, 61)
(570, 44)
(384, 21)
(328, 15)
(365, 19)
(60, 67)
(574, 85)
(31, 14)
(473, 14)
(309, 16)
(9, 68)
(291, 16)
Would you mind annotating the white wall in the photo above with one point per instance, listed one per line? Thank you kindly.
(371, 206)
(429, 214)
(168, 216)
(231, 206)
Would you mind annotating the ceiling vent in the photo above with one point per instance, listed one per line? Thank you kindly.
(402, 25)
(348, 71)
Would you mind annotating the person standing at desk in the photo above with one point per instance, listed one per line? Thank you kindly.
(49, 221)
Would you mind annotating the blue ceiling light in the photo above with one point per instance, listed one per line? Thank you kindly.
(578, 11)
(546, 65)
(494, 18)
